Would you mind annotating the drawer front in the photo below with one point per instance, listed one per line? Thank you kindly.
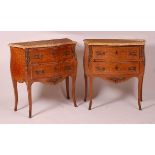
(65, 52)
(44, 70)
(116, 53)
(54, 54)
(115, 68)
(43, 55)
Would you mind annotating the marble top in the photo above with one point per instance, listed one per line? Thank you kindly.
(114, 42)
(42, 43)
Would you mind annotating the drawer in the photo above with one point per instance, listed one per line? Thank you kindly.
(54, 54)
(44, 70)
(43, 55)
(65, 52)
(116, 53)
(115, 68)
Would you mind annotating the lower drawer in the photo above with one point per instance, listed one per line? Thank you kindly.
(52, 69)
(68, 67)
(115, 67)
(44, 70)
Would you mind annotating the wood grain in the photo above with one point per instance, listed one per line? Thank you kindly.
(116, 60)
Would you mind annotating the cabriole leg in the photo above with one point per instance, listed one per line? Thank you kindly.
(67, 87)
(29, 85)
(141, 95)
(15, 93)
(140, 82)
(73, 90)
(91, 92)
(86, 85)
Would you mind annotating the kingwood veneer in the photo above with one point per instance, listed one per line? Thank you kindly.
(115, 60)
(48, 61)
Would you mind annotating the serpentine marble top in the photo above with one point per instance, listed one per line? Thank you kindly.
(114, 42)
(42, 43)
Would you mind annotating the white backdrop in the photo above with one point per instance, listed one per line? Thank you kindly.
(112, 103)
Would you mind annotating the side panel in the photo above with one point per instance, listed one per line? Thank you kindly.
(142, 60)
(18, 64)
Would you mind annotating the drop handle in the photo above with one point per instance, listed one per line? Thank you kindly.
(116, 52)
(132, 68)
(38, 56)
(39, 72)
(100, 53)
(133, 53)
(100, 68)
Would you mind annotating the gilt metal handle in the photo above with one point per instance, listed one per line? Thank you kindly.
(133, 68)
(133, 53)
(100, 53)
(38, 56)
(39, 72)
(100, 68)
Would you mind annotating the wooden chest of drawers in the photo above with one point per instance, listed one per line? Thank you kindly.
(115, 60)
(49, 61)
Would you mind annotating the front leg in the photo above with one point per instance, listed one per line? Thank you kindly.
(140, 82)
(91, 91)
(67, 87)
(15, 93)
(29, 84)
(73, 90)
(141, 95)
(86, 87)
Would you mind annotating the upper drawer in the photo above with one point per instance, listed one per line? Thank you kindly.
(54, 54)
(116, 53)
(65, 52)
(43, 55)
